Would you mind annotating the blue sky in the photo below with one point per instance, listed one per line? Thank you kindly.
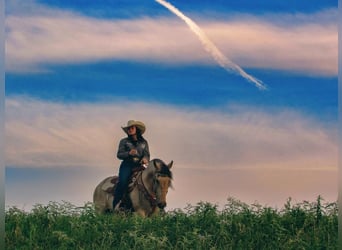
(78, 70)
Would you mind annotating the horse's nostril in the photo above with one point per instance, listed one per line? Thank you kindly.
(161, 204)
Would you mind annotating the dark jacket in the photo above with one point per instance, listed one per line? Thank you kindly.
(126, 144)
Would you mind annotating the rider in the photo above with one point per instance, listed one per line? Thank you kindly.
(134, 152)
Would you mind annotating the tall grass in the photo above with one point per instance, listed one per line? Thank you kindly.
(306, 225)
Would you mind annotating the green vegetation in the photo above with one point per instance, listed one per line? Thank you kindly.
(308, 225)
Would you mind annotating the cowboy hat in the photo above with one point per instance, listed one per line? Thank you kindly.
(139, 125)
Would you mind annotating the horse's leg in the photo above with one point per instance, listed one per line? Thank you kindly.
(137, 203)
(141, 212)
(109, 203)
(100, 201)
(156, 211)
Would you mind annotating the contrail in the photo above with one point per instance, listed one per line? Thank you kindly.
(209, 46)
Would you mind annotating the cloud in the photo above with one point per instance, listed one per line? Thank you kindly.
(33, 41)
(246, 153)
(47, 134)
(283, 41)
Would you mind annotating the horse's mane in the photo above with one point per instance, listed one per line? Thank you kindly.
(164, 169)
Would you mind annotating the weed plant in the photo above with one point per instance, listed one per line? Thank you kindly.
(306, 225)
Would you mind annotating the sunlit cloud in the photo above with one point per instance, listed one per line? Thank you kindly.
(44, 134)
(249, 154)
(304, 44)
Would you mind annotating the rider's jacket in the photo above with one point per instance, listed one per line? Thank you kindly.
(126, 144)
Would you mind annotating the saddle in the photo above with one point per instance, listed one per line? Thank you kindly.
(110, 188)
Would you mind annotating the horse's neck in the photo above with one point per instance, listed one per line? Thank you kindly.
(147, 177)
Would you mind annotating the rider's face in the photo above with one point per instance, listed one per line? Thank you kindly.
(132, 130)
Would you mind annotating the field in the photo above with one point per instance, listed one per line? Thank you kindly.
(306, 225)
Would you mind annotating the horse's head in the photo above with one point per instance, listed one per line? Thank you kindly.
(162, 181)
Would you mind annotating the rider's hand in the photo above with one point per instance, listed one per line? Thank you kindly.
(144, 161)
(133, 152)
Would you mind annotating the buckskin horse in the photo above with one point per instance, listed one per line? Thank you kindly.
(146, 192)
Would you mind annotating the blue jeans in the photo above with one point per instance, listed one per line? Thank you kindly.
(125, 172)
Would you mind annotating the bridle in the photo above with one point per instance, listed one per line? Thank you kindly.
(151, 197)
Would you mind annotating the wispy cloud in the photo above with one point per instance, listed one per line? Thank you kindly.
(43, 134)
(305, 44)
(245, 153)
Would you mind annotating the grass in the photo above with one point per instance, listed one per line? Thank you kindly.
(306, 225)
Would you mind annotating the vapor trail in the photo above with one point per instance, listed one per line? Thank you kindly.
(209, 46)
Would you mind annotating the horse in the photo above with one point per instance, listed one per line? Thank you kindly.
(146, 192)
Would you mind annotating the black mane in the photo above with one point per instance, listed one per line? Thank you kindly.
(164, 169)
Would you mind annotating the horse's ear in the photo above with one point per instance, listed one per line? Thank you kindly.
(170, 165)
(155, 164)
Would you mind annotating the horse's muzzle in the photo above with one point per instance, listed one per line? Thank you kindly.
(162, 205)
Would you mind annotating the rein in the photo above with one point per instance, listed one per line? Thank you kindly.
(150, 197)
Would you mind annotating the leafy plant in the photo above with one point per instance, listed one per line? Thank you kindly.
(307, 225)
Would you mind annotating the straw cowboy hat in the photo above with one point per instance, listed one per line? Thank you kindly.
(139, 125)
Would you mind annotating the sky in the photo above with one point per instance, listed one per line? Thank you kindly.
(76, 71)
